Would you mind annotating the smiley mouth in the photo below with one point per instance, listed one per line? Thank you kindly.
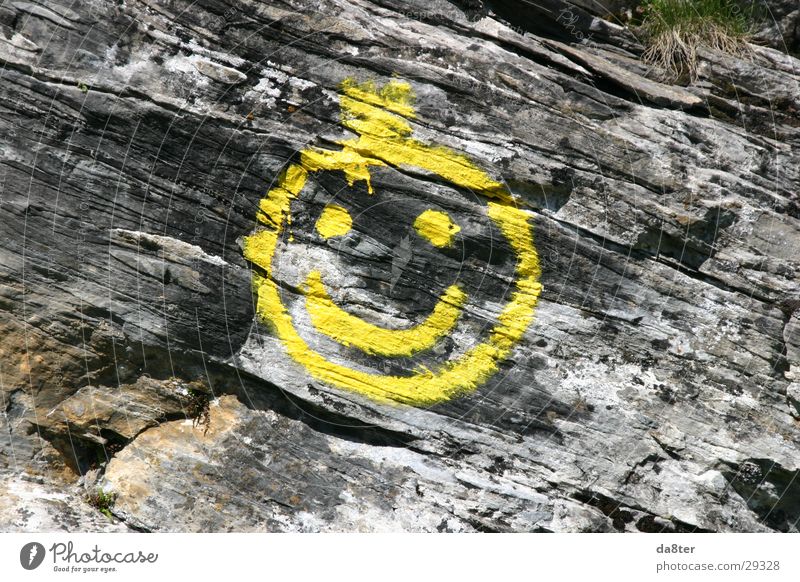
(349, 330)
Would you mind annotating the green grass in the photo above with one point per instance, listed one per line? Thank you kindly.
(676, 29)
(102, 501)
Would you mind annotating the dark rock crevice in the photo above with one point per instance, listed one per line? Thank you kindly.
(771, 491)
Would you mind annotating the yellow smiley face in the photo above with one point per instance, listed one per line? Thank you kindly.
(379, 117)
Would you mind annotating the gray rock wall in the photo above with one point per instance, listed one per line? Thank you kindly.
(655, 390)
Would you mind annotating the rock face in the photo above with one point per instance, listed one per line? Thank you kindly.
(273, 267)
(781, 25)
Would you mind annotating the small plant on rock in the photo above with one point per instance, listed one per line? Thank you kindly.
(198, 408)
(676, 29)
(102, 501)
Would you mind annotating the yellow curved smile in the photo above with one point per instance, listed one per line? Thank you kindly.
(349, 330)
(384, 139)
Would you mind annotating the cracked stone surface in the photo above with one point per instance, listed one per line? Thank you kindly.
(656, 390)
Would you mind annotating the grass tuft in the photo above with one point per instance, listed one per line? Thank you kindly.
(102, 501)
(676, 29)
(198, 409)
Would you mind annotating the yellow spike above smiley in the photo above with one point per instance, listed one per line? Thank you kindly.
(379, 116)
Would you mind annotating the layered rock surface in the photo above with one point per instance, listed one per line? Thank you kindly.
(656, 390)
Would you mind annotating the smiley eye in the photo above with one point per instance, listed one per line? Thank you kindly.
(334, 221)
(437, 228)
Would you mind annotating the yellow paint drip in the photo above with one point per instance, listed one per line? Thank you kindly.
(367, 119)
(437, 228)
(334, 221)
(395, 96)
(354, 165)
(383, 139)
(331, 320)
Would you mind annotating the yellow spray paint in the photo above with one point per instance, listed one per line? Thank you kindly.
(331, 320)
(334, 221)
(437, 228)
(384, 139)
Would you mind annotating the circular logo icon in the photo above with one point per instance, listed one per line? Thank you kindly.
(379, 118)
(31, 555)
